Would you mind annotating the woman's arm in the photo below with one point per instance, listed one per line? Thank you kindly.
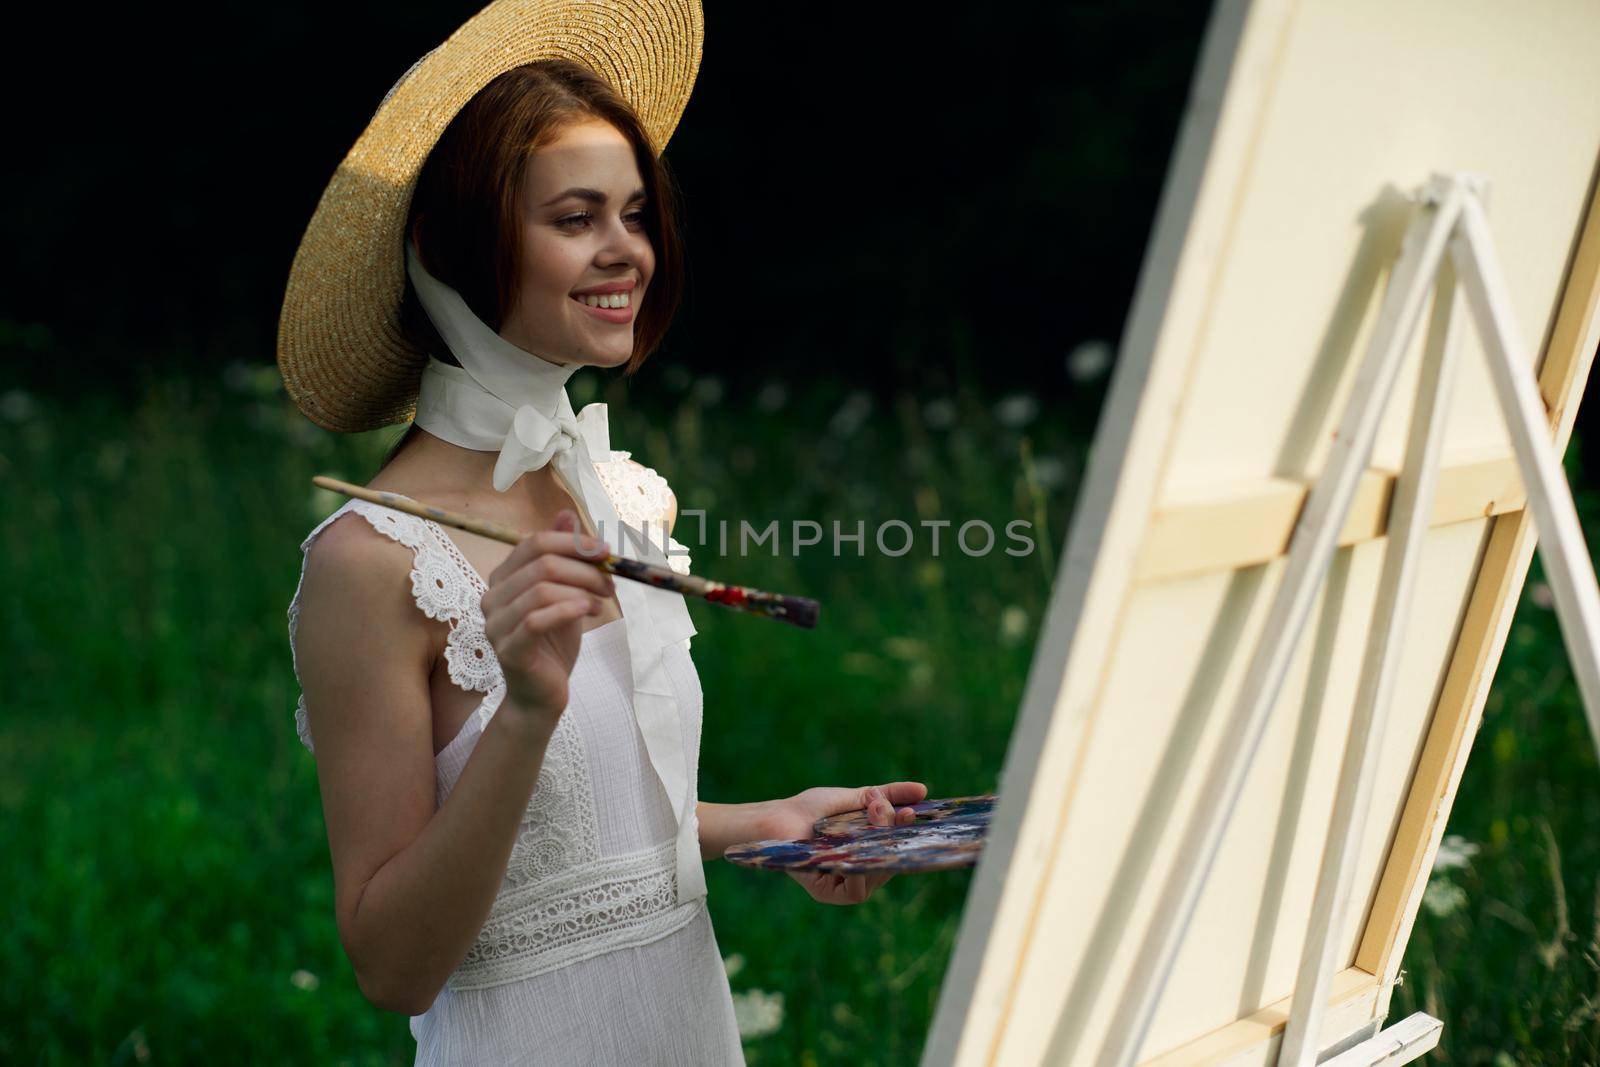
(791, 818)
(412, 887)
(725, 825)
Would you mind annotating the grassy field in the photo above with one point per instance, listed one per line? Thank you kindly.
(166, 862)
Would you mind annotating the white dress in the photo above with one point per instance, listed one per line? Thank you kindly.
(586, 958)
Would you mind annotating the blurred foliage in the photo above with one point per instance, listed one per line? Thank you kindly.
(1506, 949)
(170, 895)
(166, 856)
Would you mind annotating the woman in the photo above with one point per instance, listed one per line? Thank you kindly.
(508, 773)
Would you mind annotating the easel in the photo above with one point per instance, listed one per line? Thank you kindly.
(1448, 241)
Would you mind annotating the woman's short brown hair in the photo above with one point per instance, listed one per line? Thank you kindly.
(464, 211)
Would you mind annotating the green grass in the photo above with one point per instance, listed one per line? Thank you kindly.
(166, 861)
(1507, 948)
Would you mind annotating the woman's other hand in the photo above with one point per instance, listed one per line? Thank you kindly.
(793, 819)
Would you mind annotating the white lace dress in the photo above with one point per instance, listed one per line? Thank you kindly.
(585, 957)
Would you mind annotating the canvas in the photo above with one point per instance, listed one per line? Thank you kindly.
(1282, 214)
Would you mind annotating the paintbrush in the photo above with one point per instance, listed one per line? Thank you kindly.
(801, 611)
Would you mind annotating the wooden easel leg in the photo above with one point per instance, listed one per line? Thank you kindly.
(1408, 528)
(1561, 546)
(1401, 1043)
(1310, 551)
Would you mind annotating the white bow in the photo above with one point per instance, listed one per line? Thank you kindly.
(503, 399)
(535, 438)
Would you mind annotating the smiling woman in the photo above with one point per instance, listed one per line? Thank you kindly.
(507, 743)
(498, 193)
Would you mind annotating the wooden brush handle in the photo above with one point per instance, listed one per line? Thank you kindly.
(799, 611)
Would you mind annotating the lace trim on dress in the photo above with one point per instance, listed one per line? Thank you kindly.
(562, 800)
(642, 499)
(445, 588)
(612, 903)
(640, 495)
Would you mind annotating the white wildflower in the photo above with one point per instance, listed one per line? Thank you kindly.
(303, 979)
(939, 414)
(677, 377)
(1049, 471)
(1541, 595)
(733, 964)
(757, 1013)
(708, 390)
(16, 406)
(907, 648)
(1088, 361)
(772, 397)
(1455, 852)
(1443, 897)
(1016, 410)
(1013, 623)
(852, 413)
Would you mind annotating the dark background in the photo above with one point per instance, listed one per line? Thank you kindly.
(965, 191)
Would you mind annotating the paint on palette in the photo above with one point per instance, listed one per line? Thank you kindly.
(946, 835)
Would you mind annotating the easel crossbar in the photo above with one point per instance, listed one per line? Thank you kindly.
(1247, 525)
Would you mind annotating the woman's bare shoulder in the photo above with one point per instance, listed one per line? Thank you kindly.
(358, 579)
(351, 545)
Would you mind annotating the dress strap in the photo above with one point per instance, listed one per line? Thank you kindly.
(444, 587)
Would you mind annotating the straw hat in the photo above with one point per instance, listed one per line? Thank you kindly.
(340, 350)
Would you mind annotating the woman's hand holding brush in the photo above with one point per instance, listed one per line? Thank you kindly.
(533, 610)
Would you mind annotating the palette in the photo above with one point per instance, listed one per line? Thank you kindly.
(947, 834)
